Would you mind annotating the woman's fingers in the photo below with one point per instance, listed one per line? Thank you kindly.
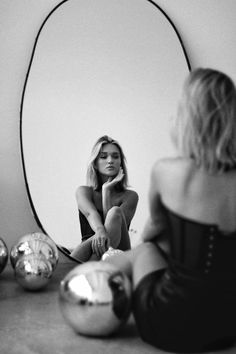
(102, 249)
(93, 246)
(100, 246)
(107, 244)
(103, 246)
(119, 177)
(120, 174)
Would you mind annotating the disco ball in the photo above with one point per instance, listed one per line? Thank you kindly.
(111, 252)
(33, 271)
(95, 298)
(42, 237)
(35, 243)
(3, 255)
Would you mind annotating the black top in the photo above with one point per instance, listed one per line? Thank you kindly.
(200, 247)
(190, 306)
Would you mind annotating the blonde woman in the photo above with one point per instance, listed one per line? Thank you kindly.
(106, 205)
(184, 273)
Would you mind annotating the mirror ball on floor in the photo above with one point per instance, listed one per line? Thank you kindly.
(3, 255)
(95, 298)
(34, 258)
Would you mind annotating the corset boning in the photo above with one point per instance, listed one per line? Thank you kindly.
(201, 247)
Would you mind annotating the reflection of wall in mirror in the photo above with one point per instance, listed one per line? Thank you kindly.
(204, 27)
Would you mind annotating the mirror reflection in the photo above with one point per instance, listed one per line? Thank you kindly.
(111, 68)
(106, 206)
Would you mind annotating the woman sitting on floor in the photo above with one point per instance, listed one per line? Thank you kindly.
(106, 206)
(184, 273)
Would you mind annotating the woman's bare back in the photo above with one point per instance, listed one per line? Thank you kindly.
(193, 193)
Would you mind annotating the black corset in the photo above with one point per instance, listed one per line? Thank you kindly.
(201, 247)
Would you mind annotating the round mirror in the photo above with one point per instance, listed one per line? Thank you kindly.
(97, 67)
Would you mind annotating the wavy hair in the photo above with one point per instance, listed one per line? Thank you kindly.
(206, 120)
(93, 177)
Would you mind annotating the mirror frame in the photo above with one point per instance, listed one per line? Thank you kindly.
(35, 215)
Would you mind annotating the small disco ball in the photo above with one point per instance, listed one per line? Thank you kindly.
(37, 243)
(95, 298)
(42, 237)
(33, 271)
(111, 252)
(3, 255)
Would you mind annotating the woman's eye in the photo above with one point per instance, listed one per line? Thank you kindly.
(116, 156)
(113, 156)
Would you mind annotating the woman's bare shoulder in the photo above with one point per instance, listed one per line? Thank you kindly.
(131, 194)
(170, 171)
(171, 163)
(83, 190)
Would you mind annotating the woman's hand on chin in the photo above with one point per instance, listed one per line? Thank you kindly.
(111, 182)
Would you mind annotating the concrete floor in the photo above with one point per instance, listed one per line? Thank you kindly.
(32, 323)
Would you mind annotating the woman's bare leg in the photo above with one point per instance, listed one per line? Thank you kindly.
(118, 234)
(140, 261)
(83, 252)
(123, 261)
(116, 228)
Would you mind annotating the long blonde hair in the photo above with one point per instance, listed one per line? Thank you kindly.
(206, 120)
(93, 178)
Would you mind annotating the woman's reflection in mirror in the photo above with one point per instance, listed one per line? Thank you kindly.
(106, 205)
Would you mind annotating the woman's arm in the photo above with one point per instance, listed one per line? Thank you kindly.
(129, 205)
(87, 207)
(107, 189)
(156, 223)
(129, 199)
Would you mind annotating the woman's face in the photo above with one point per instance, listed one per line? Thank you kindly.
(109, 160)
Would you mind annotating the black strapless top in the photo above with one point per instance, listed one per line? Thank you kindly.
(201, 247)
(190, 306)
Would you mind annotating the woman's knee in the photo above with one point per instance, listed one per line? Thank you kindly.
(115, 213)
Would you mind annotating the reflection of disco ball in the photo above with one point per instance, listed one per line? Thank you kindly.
(95, 298)
(3, 255)
(36, 243)
(111, 252)
(42, 237)
(33, 271)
